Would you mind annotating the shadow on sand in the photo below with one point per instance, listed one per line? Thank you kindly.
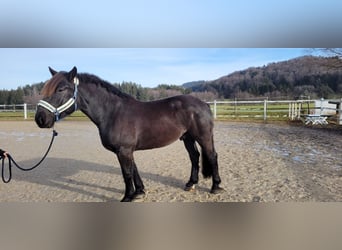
(57, 173)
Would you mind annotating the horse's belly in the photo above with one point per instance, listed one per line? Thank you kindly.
(158, 139)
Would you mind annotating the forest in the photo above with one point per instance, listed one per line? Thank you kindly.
(303, 77)
(31, 93)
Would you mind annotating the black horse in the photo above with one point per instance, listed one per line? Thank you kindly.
(126, 124)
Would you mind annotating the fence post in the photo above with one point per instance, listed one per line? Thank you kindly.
(215, 115)
(299, 110)
(25, 111)
(339, 116)
(290, 105)
(265, 109)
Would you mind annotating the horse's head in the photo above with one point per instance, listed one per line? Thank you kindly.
(59, 98)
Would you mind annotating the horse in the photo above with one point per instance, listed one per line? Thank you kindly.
(126, 125)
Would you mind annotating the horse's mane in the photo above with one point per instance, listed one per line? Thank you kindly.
(92, 79)
(51, 85)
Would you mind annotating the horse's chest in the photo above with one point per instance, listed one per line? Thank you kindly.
(114, 138)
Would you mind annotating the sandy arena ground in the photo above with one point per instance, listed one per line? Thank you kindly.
(257, 162)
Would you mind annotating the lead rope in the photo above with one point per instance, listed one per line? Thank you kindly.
(11, 160)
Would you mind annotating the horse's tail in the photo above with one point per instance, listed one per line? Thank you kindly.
(207, 169)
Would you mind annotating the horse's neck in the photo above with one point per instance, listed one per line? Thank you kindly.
(97, 103)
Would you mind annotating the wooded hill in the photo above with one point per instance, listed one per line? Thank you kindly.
(302, 77)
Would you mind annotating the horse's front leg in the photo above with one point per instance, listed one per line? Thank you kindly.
(125, 157)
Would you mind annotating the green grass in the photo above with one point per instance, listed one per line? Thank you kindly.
(15, 116)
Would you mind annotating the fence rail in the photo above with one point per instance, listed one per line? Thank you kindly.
(264, 109)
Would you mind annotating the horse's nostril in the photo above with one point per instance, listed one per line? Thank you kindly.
(40, 119)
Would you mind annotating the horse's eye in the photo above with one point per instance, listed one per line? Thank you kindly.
(61, 89)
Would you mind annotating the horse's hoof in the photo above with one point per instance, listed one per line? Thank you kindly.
(190, 188)
(126, 199)
(217, 190)
(139, 196)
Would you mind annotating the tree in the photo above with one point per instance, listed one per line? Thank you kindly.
(133, 89)
(3, 96)
(18, 96)
(334, 53)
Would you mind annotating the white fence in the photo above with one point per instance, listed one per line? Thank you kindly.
(263, 109)
(18, 108)
(280, 109)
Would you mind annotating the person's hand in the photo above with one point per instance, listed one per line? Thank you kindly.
(3, 153)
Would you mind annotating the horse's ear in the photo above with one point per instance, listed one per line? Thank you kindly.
(72, 74)
(52, 71)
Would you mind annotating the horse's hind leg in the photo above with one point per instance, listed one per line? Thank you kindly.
(190, 146)
(210, 165)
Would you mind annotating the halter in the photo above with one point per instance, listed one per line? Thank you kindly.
(57, 111)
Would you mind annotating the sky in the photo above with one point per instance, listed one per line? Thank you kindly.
(170, 23)
(153, 42)
(148, 67)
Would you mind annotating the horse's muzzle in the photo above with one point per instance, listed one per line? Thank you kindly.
(43, 119)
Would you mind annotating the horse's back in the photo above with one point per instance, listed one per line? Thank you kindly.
(183, 102)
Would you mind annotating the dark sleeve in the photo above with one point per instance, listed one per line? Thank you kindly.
(2, 153)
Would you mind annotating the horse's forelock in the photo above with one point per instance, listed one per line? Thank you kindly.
(51, 85)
